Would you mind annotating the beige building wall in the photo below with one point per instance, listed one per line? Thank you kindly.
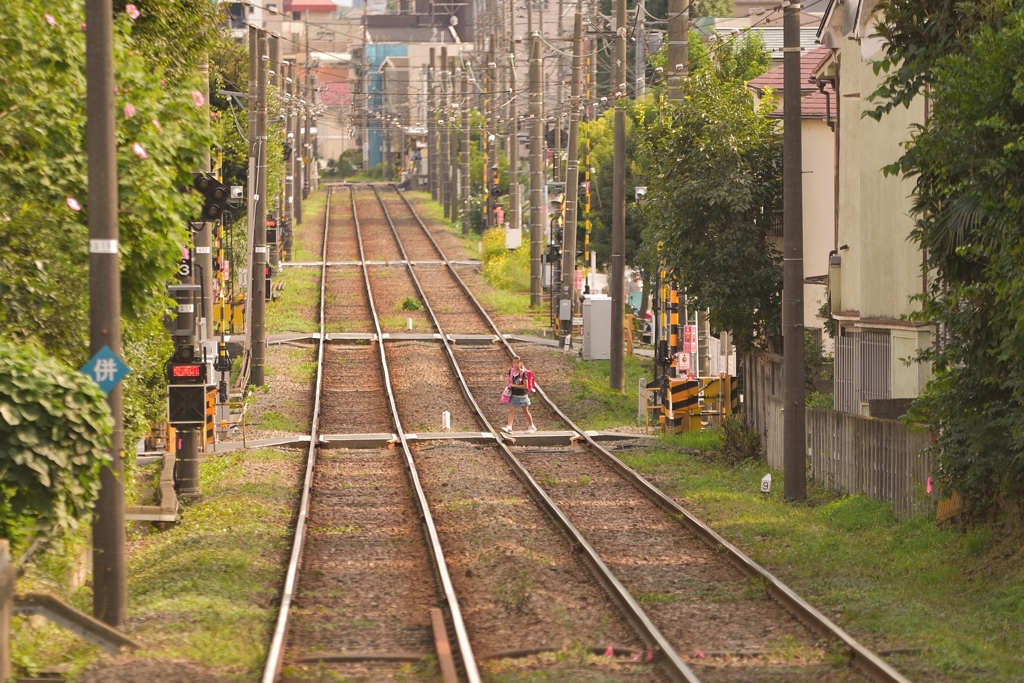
(881, 267)
(819, 215)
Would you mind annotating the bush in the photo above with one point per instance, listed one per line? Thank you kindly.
(502, 268)
(55, 432)
(410, 304)
(739, 442)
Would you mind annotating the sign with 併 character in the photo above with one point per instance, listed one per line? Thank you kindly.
(106, 369)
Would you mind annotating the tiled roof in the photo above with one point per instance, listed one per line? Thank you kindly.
(311, 5)
(814, 104)
(335, 94)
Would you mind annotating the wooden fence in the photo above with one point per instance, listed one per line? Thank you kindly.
(881, 459)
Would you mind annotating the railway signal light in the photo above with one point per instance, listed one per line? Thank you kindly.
(216, 195)
(186, 393)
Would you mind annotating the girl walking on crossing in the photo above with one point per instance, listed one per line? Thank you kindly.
(517, 394)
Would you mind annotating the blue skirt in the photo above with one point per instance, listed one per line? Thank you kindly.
(518, 401)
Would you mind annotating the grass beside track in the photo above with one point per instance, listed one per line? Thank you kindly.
(204, 591)
(891, 584)
(295, 308)
(593, 404)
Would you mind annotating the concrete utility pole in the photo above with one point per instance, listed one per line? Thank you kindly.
(617, 274)
(465, 152)
(432, 129)
(307, 122)
(513, 126)
(678, 46)
(259, 234)
(443, 169)
(203, 238)
(453, 141)
(386, 126)
(794, 433)
(289, 178)
(536, 168)
(640, 69)
(299, 122)
(110, 573)
(250, 221)
(491, 140)
(572, 181)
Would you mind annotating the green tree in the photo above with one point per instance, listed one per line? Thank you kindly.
(968, 161)
(716, 180)
(161, 133)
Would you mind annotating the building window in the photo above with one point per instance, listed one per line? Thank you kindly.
(297, 16)
(252, 10)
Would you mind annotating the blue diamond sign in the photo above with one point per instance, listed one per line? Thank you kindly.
(106, 369)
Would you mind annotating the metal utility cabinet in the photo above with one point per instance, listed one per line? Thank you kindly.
(597, 327)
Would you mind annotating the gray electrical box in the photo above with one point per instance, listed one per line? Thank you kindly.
(597, 327)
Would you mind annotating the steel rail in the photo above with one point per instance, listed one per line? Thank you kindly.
(461, 635)
(275, 654)
(861, 657)
(669, 659)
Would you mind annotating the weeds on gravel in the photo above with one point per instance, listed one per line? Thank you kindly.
(294, 310)
(280, 422)
(892, 584)
(514, 594)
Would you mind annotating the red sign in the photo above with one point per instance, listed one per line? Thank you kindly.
(690, 339)
(577, 279)
(189, 371)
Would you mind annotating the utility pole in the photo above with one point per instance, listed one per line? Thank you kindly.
(536, 168)
(203, 238)
(678, 46)
(572, 182)
(491, 141)
(364, 80)
(617, 274)
(289, 178)
(465, 152)
(443, 168)
(794, 434)
(110, 573)
(641, 52)
(453, 141)
(251, 179)
(259, 234)
(513, 127)
(299, 122)
(432, 154)
(307, 125)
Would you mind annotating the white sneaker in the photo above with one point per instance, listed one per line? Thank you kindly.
(531, 429)
(507, 429)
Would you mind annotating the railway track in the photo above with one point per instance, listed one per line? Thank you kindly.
(697, 593)
(378, 590)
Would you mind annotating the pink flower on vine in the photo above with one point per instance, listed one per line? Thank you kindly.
(156, 124)
(83, 27)
(132, 11)
(50, 19)
(129, 110)
(73, 204)
(197, 98)
(139, 151)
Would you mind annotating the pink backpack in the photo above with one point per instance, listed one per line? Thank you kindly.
(530, 385)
